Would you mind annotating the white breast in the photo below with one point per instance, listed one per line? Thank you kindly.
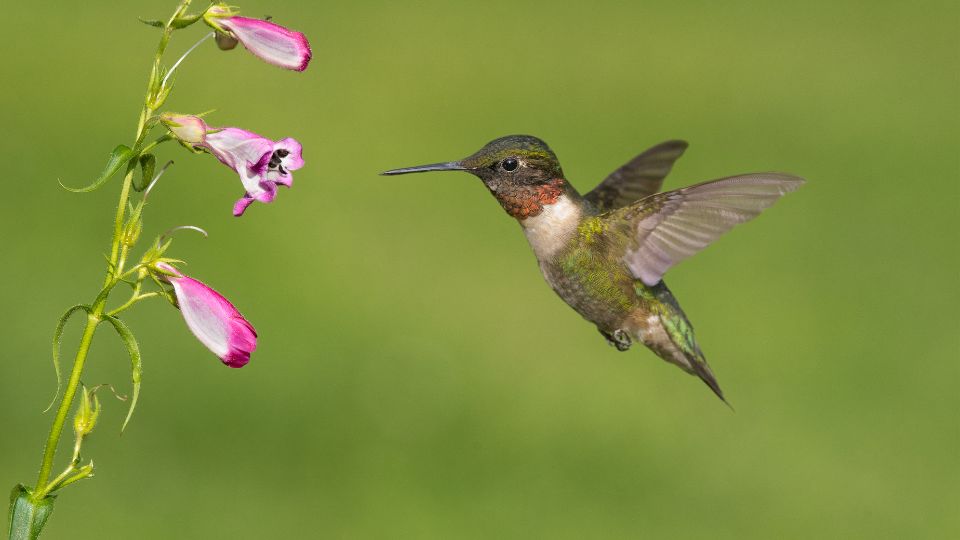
(550, 230)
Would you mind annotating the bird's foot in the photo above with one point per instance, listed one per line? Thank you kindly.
(618, 338)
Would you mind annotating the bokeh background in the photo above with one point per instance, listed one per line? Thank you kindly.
(415, 377)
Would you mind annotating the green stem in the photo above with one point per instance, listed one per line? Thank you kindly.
(135, 268)
(150, 146)
(118, 226)
(133, 300)
(142, 130)
(79, 476)
(50, 450)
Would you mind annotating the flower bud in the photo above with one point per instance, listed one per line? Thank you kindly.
(133, 228)
(211, 317)
(225, 42)
(132, 233)
(215, 13)
(86, 417)
(268, 41)
(188, 129)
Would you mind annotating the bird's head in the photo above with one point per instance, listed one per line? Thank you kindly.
(519, 170)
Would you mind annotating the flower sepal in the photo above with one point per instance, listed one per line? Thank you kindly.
(154, 255)
(164, 267)
(217, 12)
(160, 94)
(87, 413)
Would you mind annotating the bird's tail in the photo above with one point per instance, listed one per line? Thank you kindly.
(682, 349)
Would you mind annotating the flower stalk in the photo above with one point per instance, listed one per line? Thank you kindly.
(212, 319)
(118, 255)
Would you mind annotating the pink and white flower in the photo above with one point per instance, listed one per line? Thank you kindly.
(261, 163)
(270, 42)
(212, 318)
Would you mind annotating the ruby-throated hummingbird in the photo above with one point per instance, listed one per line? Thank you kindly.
(605, 252)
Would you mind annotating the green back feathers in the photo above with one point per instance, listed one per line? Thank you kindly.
(596, 266)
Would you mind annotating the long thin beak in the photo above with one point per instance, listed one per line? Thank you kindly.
(448, 166)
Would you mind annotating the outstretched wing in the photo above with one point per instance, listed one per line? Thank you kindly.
(668, 227)
(640, 177)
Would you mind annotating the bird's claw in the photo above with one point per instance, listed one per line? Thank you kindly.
(618, 338)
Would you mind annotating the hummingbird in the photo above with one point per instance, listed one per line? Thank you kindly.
(605, 253)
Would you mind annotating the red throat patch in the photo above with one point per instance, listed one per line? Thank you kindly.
(523, 202)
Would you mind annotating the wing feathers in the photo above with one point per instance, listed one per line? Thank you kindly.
(670, 227)
(642, 176)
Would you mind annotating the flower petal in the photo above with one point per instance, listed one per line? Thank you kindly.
(267, 192)
(243, 341)
(238, 148)
(270, 42)
(241, 205)
(285, 180)
(293, 160)
(214, 321)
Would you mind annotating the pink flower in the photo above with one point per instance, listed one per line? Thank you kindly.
(262, 164)
(212, 318)
(270, 42)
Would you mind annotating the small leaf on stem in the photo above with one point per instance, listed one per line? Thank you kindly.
(57, 334)
(135, 362)
(148, 162)
(118, 158)
(184, 21)
(151, 22)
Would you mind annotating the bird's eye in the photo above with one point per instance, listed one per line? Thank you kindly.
(509, 164)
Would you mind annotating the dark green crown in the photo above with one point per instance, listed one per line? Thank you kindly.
(526, 147)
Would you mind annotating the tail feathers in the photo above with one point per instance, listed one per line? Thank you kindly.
(672, 340)
(682, 348)
(699, 367)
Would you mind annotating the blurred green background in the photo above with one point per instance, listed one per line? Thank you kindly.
(415, 376)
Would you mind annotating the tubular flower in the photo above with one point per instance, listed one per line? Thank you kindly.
(270, 42)
(212, 318)
(262, 164)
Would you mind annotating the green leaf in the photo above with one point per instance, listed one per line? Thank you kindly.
(148, 163)
(26, 516)
(184, 21)
(151, 22)
(118, 158)
(136, 365)
(57, 334)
